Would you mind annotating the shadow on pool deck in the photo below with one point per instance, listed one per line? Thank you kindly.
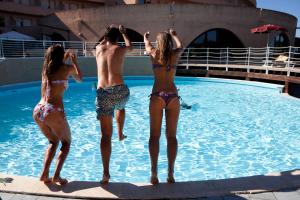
(192, 189)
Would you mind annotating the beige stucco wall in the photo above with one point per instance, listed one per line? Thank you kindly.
(218, 2)
(190, 20)
(22, 70)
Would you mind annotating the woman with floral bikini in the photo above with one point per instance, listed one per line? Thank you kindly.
(49, 112)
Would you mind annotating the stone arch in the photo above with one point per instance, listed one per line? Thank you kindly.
(216, 38)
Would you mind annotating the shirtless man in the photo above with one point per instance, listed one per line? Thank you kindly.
(112, 93)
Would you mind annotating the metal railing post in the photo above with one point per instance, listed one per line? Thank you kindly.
(141, 49)
(84, 48)
(187, 58)
(207, 57)
(267, 60)
(290, 54)
(267, 56)
(227, 58)
(23, 45)
(249, 55)
(1, 50)
(289, 61)
(44, 46)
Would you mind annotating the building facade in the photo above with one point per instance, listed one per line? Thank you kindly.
(215, 2)
(24, 15)
(200, 23)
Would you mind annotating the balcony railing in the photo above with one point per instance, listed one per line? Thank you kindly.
(279, 57)
(37, 48)
(285, 58)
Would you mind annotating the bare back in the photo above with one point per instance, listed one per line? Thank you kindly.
(163, 78)
(164, 73)
(56, 91)
(110, 59)
(52, 90)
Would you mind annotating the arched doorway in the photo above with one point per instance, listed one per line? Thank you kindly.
(281, 40)
(212, 47)
(57, 37)
(133, 36)
(216, 38)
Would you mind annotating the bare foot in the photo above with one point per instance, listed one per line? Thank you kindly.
(105, 179)
(122, 137)
(59, 180)
(45, 179)
(154, 180)
(170, 179)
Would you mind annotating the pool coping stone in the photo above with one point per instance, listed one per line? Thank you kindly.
(117, 190)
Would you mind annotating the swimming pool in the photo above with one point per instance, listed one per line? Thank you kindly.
(234, 128)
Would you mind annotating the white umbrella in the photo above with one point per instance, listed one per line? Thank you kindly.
(15, 35)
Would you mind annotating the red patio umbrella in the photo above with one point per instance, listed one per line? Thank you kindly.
(267, 29)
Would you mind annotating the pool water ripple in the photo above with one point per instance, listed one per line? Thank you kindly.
(233, 129)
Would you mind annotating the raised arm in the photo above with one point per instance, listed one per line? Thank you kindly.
(128, 45)
(98, 46)
(178, 43)
(103, 41)
(148, 46)
(74, 71)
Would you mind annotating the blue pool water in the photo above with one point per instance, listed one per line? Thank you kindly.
(234, 129)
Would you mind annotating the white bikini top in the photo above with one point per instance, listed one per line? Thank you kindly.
(65, 83)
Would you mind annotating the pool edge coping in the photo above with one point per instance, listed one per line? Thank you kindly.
(118, 190)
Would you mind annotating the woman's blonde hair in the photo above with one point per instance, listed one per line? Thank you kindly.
(164, 47)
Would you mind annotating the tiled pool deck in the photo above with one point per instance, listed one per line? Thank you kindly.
(275, 186)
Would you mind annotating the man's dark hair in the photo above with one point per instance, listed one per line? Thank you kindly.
(112, 34)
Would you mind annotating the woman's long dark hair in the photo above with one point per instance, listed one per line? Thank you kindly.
(164, 47)
(54, 59)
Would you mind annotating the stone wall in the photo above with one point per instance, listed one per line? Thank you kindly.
(22, 70)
